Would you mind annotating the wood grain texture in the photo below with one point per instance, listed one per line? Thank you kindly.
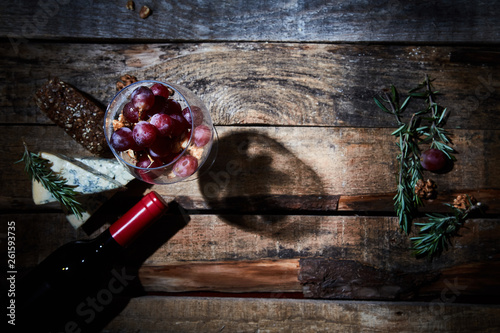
(299, 202)
(266, 169)
(346, 21)
(191, 253)
(265, 83)
(176, 314)
(268, 276)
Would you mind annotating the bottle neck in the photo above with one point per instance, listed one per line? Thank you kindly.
(138, 218)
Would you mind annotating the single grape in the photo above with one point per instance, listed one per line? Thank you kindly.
(143, 98)
(159, 89)
(161, 148)
(195, 114)
(148, 175)
(170, 157)
(122, 139)
(144, 134)
(158, 107)
(130, 112)
(146, 162)
(202, 135)
(173, 107)
(180, 125)
(164, 123)
(433, 159)
(185, 166)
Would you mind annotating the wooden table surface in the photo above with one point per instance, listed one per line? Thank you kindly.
(303, 237)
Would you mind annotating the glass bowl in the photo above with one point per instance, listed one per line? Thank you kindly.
(171, 157)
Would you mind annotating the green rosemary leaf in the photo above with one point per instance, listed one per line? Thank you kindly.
(443, 116)
(405, 103)
(39, 169)
(419, 94)
(394, 96)
(380, 105)
(399, 130)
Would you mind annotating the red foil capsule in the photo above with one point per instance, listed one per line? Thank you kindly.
(138, 218)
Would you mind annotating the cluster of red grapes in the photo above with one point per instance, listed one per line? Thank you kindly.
(158, 127)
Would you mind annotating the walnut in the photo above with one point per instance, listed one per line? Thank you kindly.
(120, 122)
(464, 201)
(145, 12)
(426, 190)
(125, 81)
(130, 5)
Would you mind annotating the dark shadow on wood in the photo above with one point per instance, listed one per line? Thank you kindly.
(247, 177)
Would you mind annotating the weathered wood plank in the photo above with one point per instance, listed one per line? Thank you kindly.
(269, 276)
(195, 314)
(350, 21)
(350, 169)
(215, 253)
(265, 83)
(350, 279)
(474, 282)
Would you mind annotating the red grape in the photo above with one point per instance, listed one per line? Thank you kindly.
(161, 148)
(170, 157)
(143, 98)
(145, 162)
(180, 124)
(185, 166)
(148, 175)
(164, 123)
(195, 114)
(173, 107)
(159, 89)
(130, 112)
(158, 107)
(433, 159)
(202, 135)
(122, 139)
(144, 134)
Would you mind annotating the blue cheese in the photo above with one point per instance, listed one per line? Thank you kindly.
(95, 179)
(109, 167)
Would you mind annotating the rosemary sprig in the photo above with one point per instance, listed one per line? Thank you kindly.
(410, 170)
(435, 234)
(39, 169)
(424, 126)
(433, 131)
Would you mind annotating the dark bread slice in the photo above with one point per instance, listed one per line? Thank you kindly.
(77, 114)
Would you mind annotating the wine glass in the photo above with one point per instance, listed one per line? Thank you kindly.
(161, 132)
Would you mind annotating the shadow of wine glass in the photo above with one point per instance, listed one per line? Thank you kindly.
(255, 182)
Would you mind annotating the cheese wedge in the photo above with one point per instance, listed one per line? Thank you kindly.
(96, 179)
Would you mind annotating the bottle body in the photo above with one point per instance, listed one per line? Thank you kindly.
(64, 278)
(52, 292)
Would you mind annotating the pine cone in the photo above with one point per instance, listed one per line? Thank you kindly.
(425, 190)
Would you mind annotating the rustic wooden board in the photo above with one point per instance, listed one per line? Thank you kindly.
(196, 314)
(212, 253)
(266, 169)
(265, 83)
(349, 21)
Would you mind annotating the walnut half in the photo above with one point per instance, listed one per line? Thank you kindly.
(426, 190)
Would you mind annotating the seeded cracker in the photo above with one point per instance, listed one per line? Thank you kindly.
(81, 118)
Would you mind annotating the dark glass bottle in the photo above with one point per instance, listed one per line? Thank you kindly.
(56, 286)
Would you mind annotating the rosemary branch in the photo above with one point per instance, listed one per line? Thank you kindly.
(435, 234)
(39, 169)
(424, 126)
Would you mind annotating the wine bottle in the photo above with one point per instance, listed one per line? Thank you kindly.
(54, 288)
